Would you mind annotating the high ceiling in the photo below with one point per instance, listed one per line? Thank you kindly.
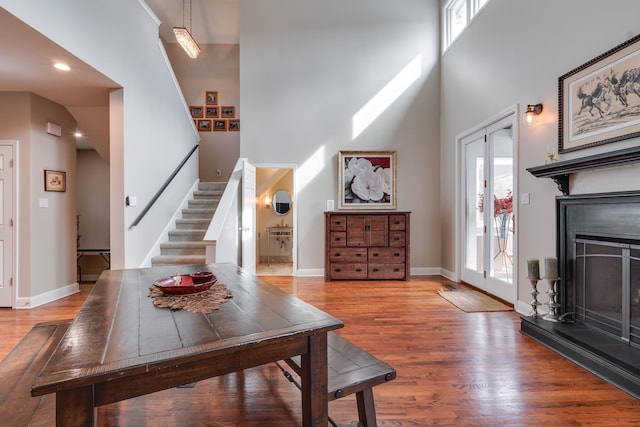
(84, 90)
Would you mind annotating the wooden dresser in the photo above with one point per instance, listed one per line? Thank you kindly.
(366, 245)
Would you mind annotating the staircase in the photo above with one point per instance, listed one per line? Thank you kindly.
(185, 245)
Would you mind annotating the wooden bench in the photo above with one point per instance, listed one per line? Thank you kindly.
(351, 370)
(18, 372)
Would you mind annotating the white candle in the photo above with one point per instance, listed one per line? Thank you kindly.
(551, 267)
(533, 267)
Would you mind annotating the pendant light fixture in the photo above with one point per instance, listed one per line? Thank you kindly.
(185, 38)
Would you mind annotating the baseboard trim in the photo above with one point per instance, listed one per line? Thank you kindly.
(47, 297)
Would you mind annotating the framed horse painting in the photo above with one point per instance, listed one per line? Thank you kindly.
(599, 102)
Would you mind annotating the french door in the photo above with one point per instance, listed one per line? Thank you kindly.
(488, 227)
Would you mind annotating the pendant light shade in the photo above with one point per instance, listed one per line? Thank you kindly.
(187, 42)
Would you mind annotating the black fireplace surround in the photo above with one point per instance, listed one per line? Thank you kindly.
(598, 247)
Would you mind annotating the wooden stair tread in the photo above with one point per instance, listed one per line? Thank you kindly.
(19, 370)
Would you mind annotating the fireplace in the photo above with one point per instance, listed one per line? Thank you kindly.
(599, 289)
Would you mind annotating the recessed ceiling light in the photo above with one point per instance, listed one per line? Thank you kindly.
(61, 66)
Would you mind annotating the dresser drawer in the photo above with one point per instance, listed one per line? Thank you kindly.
(346, 271)
(397, 222)
(348, 255)
(338, 223)
(386, 271)
(382, 255)
(338, 239)
(397, 238)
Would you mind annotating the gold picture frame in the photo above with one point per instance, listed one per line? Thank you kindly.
(55, 181)
(367, 180)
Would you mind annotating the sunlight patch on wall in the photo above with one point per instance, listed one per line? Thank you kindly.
(387, 95)
(310, 168)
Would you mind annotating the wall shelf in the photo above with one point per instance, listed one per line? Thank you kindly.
(560, 172)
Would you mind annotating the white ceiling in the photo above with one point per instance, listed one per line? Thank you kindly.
(83, 90)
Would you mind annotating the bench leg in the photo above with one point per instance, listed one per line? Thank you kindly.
(366, 408)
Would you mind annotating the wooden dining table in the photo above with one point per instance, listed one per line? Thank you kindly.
(121, 346)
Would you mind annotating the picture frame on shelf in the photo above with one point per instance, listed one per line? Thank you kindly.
(197, 111)
(212, 112)
(228, 112)
(211, 97)
(55, 181)
(219, 125)
(367, 180)
(599, 101)
(204, 125)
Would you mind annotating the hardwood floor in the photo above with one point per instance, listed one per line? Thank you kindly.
(453, 368)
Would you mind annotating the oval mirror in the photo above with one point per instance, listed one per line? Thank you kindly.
(281, 202)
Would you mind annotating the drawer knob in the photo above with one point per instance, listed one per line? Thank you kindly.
(396, 238)
(358, 270)
(375, 270)
(358, 254)
(376, 254)
(337, 270)
(338, 254)
(396, 254)
(396, 269)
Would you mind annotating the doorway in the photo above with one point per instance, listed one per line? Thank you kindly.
(275, 220)
(7, 236)
(489, 212)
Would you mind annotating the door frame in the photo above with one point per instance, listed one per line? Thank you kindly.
(294, 196)
(14, 215)
(514, 113)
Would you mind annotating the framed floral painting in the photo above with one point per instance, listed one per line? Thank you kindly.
(367, 180)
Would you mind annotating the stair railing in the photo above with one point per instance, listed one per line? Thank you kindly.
(164, 186)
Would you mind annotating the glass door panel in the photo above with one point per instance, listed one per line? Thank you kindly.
(502, 225)
(474, 195)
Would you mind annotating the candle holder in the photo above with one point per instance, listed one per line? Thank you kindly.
(534, 297)
(552, 315)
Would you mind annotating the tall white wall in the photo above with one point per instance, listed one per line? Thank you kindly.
(513, 53)
(306, 68)
(119, 38)
(216, 69)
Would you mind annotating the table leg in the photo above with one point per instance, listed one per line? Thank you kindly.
(74, 408)
(315, 405)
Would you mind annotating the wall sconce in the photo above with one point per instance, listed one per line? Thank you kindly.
(531, 112)
(267, 202)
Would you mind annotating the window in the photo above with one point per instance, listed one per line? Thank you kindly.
(456, 15)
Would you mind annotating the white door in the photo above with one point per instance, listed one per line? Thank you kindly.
(248, 226)
(6, 226)
(489, 212)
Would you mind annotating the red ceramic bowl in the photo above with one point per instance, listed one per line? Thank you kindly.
(202, 277)
(182, 285)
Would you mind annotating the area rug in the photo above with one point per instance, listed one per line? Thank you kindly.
(203, 302)
(471, 301)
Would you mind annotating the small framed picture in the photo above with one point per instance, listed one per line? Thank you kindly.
(219, 125)
(55, 181)
(204, 125)
(234, 125)
(212, 112)
(197, 112)
(228, 112)
(211, 97)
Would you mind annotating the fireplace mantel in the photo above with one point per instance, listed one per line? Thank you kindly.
(560, 172)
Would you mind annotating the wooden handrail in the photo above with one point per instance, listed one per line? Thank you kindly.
(164, 187)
